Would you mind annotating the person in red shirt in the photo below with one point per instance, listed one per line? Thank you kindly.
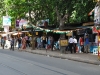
(81, 43)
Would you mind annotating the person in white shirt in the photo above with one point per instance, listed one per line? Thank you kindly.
(71, 44)
(74, 44)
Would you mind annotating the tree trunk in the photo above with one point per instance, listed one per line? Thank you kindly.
(62, 48)
(62, 36)
(33, 42)
(61, 26)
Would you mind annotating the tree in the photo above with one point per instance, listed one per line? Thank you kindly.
(2, 11)
(81, 10)
(15, 9)
(58, 12)
(65, 11)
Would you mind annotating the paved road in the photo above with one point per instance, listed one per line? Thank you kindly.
(24, 63)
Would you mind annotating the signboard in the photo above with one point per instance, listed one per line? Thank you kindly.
(97, 15)
(43, 23)
(6, 21)
(81, 32)
(69, 34)
(17, 23)
(23, 22)
(63, 42)
(6, 29)
(36, 33)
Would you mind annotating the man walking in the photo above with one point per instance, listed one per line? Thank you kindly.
(74, 44)
(86, 44)
(3, 42)
(19, 42)
(38, 42)
(12, 44)
(71, 44)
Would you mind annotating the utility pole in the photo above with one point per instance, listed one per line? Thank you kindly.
(97, 23)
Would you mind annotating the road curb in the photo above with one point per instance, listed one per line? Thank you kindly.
(69, 58)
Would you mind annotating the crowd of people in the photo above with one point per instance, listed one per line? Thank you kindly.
(21, 42)
(26, 41)
(44, 42)
(82, 42)
(47, 43)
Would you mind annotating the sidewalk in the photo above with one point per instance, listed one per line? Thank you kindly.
(80, 57)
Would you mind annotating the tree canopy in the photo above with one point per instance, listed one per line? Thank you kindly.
(58, 12)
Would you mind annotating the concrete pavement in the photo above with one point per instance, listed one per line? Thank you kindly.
(80, 57)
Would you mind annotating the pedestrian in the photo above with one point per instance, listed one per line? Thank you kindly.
(30, 41)
(0, 40)
(81, 44)
(12, 44)
(52, 43)
(49, 43)
(15, 41)
(86, 40)
(19, 42)
(71, 44)
(44, 41)
(74, 44)
(3, 42)
(38, 42)
(23, 43)
(26, 37)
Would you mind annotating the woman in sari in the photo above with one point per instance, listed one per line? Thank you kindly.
(23, 43)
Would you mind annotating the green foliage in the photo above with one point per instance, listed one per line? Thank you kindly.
(76, 10)
(81, 10)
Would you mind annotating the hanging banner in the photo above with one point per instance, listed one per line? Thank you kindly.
(6, 28)
(69, 33)
(97, 15)
(17, 23)
(63, 42)
(43, 23)
(6, 21)
(81, 32)
(22, 22)
(36, 33)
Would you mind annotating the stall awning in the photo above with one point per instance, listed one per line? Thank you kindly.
(17, 33)
(88, 24)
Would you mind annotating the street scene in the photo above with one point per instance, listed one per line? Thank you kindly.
(50, 37)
